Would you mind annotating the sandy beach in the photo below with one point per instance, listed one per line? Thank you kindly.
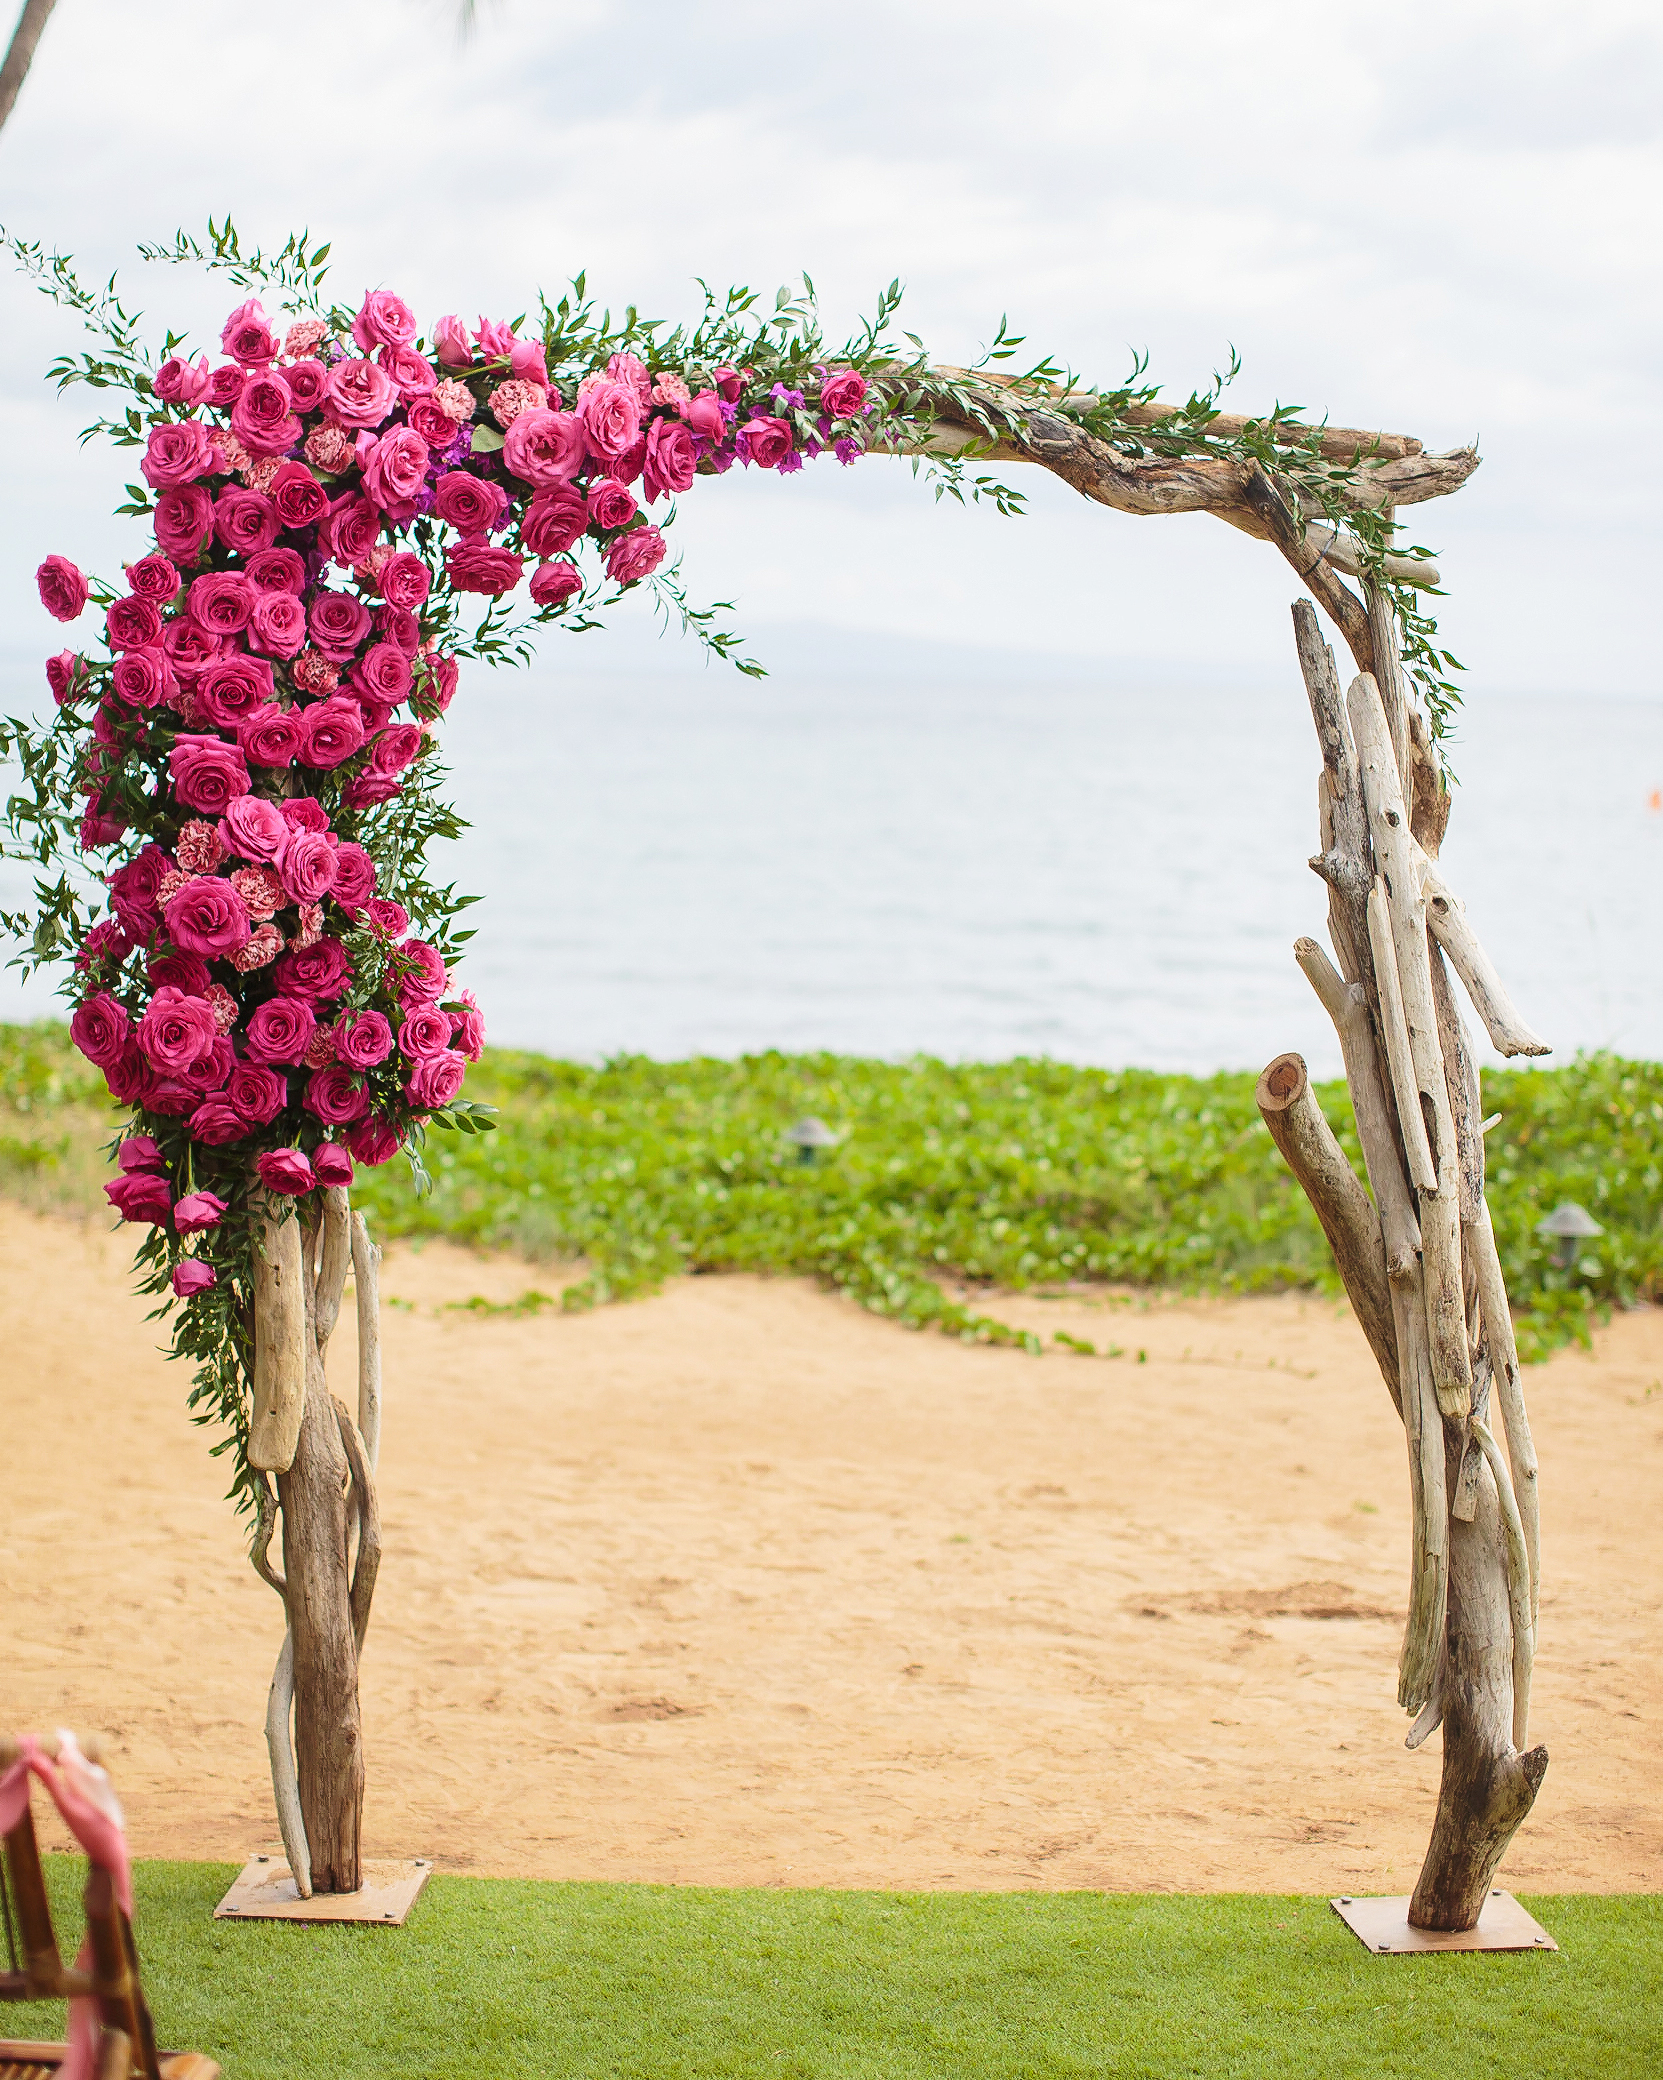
(740, 1585)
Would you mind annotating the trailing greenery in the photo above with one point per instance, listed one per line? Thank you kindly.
(1013, 1174)
(630, 1982)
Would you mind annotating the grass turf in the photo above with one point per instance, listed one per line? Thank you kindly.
(1022, 1174)
(509, 1978)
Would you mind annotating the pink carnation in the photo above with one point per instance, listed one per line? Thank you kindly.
(512, 398)
(223, 1004)
(261, 890)
(455, 400)
(328, 449)
(261, 950)
(302, 336)
(200, 848)
(312, 672)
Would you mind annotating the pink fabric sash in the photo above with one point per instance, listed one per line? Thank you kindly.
(81, 1792)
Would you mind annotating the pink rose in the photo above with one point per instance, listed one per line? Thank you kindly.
(106, 941)
(729, 382)
(363, 1040)
(277, 570)
(297, 497)
(221, 601)
(610, 505)
(373, 1142)
(210, 1068)
(207, 916)
(546, 448)
(270, 736)
(143, 679)
(232, 687)
(331, 1164)
(635, 555)
(245, 521)
(704, 416)
(555, 581)
(280, 1030)
(304, 812)
(176, 1030)
(182, 382)
(63, 590)
(435, 1080)
(247, 337)
(192, 1276)
(469, 503)
(185, 972)
(382, 674)
(190, 648)
(475, 566)
(133, 891)
(385, 320)
(285, 1170)
(254, 829)
(405, 580)
(359, 394)
(198, 1211)
(351, 532)
(424, 978)
(216, 1122)
(672, 459)
(334, 1097)
(528, 361)
(178, 452)
(414, 374)
(277, 626)
(769, 441)
(140, 1197)
(140, 1152)
(842, 393)
(452, 343)
(339, 624)
(263, 416)
(469, 1027)
(183, 520)
(331, 732)
(308, 383)
(369, 788)
(131, 624)
(439, 677)
(307, 866)
(428, 417)
(225, 385)
(391, 919)
(99, 1029)
(394, 467)
(153, 578)
(256, 1094)
(553, 521)
(354, 877)
(496, 338)
(425, 1032)
(318, 972)
(206, 774)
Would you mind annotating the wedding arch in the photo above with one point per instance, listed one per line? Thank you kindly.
(263, 968)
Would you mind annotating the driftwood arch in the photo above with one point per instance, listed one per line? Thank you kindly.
(1418, 1259)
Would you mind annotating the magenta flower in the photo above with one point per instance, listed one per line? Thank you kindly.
(191, 1276)
(285, 1170)
(139, 1195)
(198, 1211)
(63, 590)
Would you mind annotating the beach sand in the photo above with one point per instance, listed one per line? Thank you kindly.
(742, 1586)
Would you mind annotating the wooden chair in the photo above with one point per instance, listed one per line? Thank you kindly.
(126, 2039)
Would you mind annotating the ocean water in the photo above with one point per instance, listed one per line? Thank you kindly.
(1101, 868)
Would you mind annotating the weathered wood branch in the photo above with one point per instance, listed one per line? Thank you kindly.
(1521, 1449)
(285, 1784)
(280, 1341)
(368, 1563)
(20, 52)
(1518, 1583)
(1428, 1499)
(1346, 863)
(1395, 1027)
(1297, 1126)
(334, 1258)
(1447, 915)
(366, 1266)
(265, 1523)
(1461, 1081)
(1393, 689)
(1345, 553)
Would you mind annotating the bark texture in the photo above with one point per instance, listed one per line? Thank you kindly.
(20, 52)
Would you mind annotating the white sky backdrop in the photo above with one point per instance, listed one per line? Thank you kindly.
(1440, 218)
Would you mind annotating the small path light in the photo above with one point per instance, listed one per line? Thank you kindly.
(1569, 1224)
(811, 1134)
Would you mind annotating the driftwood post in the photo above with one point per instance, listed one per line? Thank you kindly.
(324, 1462)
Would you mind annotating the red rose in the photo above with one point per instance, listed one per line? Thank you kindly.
(143, 679)
(99, 1029)
(153, 578)
(554, 520)
(281, 1030)
(255, 1094)
(610, 505)
(373, 1142)
(339, 623)
(399, 626)
(140, 1197)
(285, 1170)
(430, 419)
(354, 879)
(198, 1211)
(63, 590)
(217, 1122)
(331, 732)
(395, 748)
(672, 459)
(221, 601)
(383, 672)
(185, 972)
(318, 972)
(555, 581)
(768, 441)
(190, 648)
(206, 774)
(225, 385)
(331, 1164)
(297, 497)
(245, 521)
(277, 570)
(475, 566)
(66, 674)
(207, 916)
(405, 580)
(277, 626)
(270, 736)
(232, 687)
(842, 393)
(177, 453)
(307, 381)
(364, 1040)
(133, 892)
(334, 1097)
(132, 624)
(183, 518)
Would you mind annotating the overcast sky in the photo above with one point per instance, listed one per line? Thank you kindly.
(1438, 218)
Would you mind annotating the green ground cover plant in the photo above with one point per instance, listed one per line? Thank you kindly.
(1021, 1174)
(630, 1982)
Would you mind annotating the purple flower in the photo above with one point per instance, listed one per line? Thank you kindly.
(847, 451)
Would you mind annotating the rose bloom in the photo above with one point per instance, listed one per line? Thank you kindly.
(308, 381)
(200, 848)
(247, 337)
(372, 1142)
(99, 1029)
(63, 590)
(553, 521)
(359, 394)
(527, 359)
(140, 1197)
(225, 385)
(435, 1081)
(385, 320)
(635, 555)
(182, 382)
(395, 748)
(280, 1030)
(405, 580)
(469, 503)
(425, 1032)
(369, 788)
(183, 519)
(475, 566)
(393, 469)
(426, 416)
(140, 1152)
(769, 440)
(261, 890)
(414, 374)
(106, 941)
(842, 393)
(304, 812)
(704, 416)
(318, 973)
(440, 674)
(129, 1076)
(207, 916)
(245, 521)
(209, 1071)
(297, 498)
(216, 1122)
(255, 1094)
(221, 601)
(306, 865)
(270, 735)
(185, 972)
(339, 623)
(610, 505)
(331, 1164)
(354, 876)
(133, 891)
(143, 679)
(261, 950)
(363, 1039)
(334, 1097)
(328, 449)
(277, 626)
(399, 626)
(451, 342)
(190, 648)
(254, 829)
(555, 581)
(232, 687)
(671, 460)
(277, 570)
(153, 578)
(192, 1276)
(206, 774)
(177, 452)
(424, 979)
(330, 732)
(391, 919)
(545, 448)
(351, 532)
(469, 1028)
(285, 1170)
(611, 417)
(383, 672)
(198, 1211)
(263, 417)
(176, 1030)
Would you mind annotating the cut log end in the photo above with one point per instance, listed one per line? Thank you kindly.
(1281, 1083)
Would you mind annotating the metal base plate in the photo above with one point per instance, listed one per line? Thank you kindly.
(1383, 1925)
(265, 1892)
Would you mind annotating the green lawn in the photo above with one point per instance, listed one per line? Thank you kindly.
(505, 1978)
(1024, 1173)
